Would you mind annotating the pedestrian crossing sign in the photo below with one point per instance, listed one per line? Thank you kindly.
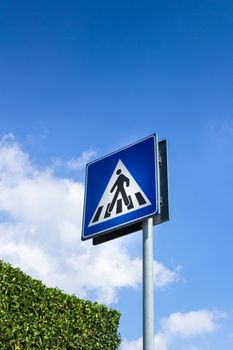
(121, 188)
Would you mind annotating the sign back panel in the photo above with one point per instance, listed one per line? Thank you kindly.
(121, 189)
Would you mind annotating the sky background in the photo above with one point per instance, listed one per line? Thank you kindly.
(80, 79)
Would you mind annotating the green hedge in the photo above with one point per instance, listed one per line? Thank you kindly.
(33, 316)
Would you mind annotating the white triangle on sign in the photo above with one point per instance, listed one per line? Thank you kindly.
(121, 196)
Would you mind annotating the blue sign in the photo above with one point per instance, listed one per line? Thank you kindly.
(121, 188)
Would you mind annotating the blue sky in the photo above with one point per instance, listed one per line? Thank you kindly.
(82, 79)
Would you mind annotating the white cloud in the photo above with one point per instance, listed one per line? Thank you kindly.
(133, 345)
(31, 258)
(164, 276)
(106, 269)
(193, 347)
(40, 229)
(190, 324)
(161, 342)
(184, 325)
(80, 162)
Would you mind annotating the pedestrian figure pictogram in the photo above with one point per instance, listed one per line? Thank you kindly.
(120, 189)
(122, 195)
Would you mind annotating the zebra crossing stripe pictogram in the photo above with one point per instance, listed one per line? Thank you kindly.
(121, 196)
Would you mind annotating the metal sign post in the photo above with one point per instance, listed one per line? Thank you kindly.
(148, 286)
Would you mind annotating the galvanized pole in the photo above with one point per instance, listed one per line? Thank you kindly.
(148, 286)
